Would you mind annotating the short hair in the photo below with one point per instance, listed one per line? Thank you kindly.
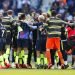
(19, 14)
(22, 16)
(10, 12)
(59, 16)
(53, 13)
(44, 14)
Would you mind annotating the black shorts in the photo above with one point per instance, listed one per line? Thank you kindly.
(14, 43)
(2, 43)
(73, 52)
(71, 43)
(64, 45)
(22, 43)
(8, 38)
(41, 45)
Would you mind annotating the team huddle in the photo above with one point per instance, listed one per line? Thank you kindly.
(45, 37)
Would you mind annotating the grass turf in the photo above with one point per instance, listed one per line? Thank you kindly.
(36, 72)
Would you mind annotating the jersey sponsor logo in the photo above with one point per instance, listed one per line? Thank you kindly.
(23, 35)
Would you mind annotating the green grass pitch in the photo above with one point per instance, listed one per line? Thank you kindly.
(36, 72)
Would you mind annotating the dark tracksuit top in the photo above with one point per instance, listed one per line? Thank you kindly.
(2, 37)
(7, 22)
(37, 33)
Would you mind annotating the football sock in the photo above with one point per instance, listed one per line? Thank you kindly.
(6, 57)
(38, 61)
(20, 58)
(48, 55)
(16, 59)
(25, 59)
(2, 61)
(42, 56)
(42, 59)
(65, 62)
(8, 51)
(45, 61)
(22, 53)
(60, 57)
(56, 57)
(14, 53)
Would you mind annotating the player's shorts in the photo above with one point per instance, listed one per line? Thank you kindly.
(64, 45)
(73, 52)
(53, 43)
(71, 43)
(2, 43)
(8, 38)
(14, 43)
(41, 45)
(23, 43)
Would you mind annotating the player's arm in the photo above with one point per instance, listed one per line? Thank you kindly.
(67, 23)
(43, 27)
(30, 25)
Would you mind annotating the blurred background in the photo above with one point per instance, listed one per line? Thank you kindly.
(64, 7)
(38, 5)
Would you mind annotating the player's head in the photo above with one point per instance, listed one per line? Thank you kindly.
(54, 13)
(22, 16)
(59, 16)
(19, 14)
(44, 14)
(10, 12)
(41, 18)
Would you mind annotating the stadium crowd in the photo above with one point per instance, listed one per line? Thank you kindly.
(26, 31)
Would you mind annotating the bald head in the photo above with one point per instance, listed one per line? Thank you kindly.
(41, 18)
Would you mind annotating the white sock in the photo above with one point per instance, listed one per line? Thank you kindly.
(65, 62)
(74, 63)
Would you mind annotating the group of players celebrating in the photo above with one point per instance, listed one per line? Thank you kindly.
(45, 37)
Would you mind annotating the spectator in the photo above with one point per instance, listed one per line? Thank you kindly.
(6, 4)
(61, 9)
(68, 17)
(19, 5)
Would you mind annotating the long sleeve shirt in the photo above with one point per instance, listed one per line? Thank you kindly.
(53, 27)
